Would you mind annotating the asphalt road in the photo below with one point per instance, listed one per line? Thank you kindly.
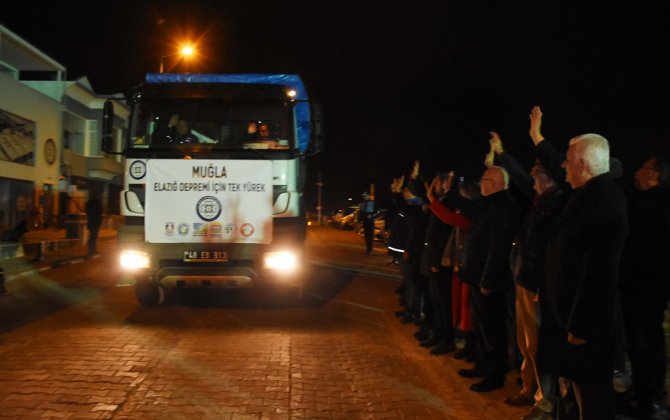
(75, 344)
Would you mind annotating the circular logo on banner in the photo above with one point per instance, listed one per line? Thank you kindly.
(183, 229)
(208, 208)
(247, 230)
(137, 169)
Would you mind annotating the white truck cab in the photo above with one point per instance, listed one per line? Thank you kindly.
(213, 185)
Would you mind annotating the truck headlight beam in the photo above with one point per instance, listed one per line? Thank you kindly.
(133, 260)
(286, 261)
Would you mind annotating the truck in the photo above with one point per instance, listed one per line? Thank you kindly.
(214, 179)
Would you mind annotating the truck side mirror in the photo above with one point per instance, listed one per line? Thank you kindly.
(107, 126)
(316, 141)
(133, 202)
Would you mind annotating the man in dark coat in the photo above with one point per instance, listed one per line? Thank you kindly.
(484, 266)
(645, 284)
(441, 330)
(366, 216)
(407, 233)
(544, 203)
(94, 220)
(581, 271)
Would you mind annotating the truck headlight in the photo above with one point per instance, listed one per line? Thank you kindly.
(281, 260)
(133, 260)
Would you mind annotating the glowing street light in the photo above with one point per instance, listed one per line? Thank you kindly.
(186, 52)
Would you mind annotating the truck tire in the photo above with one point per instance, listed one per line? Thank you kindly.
(149, 293)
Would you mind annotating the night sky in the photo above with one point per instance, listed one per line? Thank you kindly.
(398, 81)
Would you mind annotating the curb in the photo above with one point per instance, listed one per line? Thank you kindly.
(55, 264)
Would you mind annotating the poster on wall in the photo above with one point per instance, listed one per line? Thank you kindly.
(17, 138)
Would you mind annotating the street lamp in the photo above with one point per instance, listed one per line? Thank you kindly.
(185, 52)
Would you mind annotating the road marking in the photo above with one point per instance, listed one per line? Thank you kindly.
(12, 277)
(239, 321)
(355, 270)
(347, 302)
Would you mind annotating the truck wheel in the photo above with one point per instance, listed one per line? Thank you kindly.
(149, 293)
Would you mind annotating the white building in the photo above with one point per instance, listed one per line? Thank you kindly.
(50, 158)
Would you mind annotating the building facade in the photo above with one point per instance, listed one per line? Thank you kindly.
(50, 158)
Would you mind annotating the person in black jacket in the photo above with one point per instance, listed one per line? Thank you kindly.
(398, 225)
(484, 266)
(406, 236)
(579, 295)
(94, 220)
(441, 329)
(645, 284)
(545, 201)
(366, 216)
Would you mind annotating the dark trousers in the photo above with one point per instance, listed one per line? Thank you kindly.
(595, 401)
(411, 297)
(425, 304)
(440, 296)
(490, 328)
(93, 239)
(369, 232)
(643, 315)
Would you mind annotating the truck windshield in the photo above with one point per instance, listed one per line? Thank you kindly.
(179, 122)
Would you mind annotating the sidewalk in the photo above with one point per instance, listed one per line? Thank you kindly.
(41, 250)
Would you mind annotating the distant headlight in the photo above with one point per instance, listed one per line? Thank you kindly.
(132, 260)
(281, 260)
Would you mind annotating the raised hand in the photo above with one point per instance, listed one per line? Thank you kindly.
(450, 182)
(535, 130)
(396, 185)
(496, 143)
(430, 189)
(490, 157)
(415, 170)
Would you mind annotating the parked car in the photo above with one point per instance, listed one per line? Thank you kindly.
(336, 217)
(349, 218)
(344, 218)
(380, 233)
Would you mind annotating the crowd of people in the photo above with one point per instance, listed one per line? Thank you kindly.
(558, 271)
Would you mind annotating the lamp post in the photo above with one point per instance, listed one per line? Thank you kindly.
(318, 205)
(185, 52)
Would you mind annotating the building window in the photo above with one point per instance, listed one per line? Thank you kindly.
(17, 138)
(73, 133)
(94, 140)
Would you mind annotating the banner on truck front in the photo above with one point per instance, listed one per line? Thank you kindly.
(208, 201)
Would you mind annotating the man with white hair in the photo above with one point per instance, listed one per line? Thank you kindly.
(485, 267)
(581, 270)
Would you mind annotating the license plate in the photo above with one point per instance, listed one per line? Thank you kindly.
(205, 256)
